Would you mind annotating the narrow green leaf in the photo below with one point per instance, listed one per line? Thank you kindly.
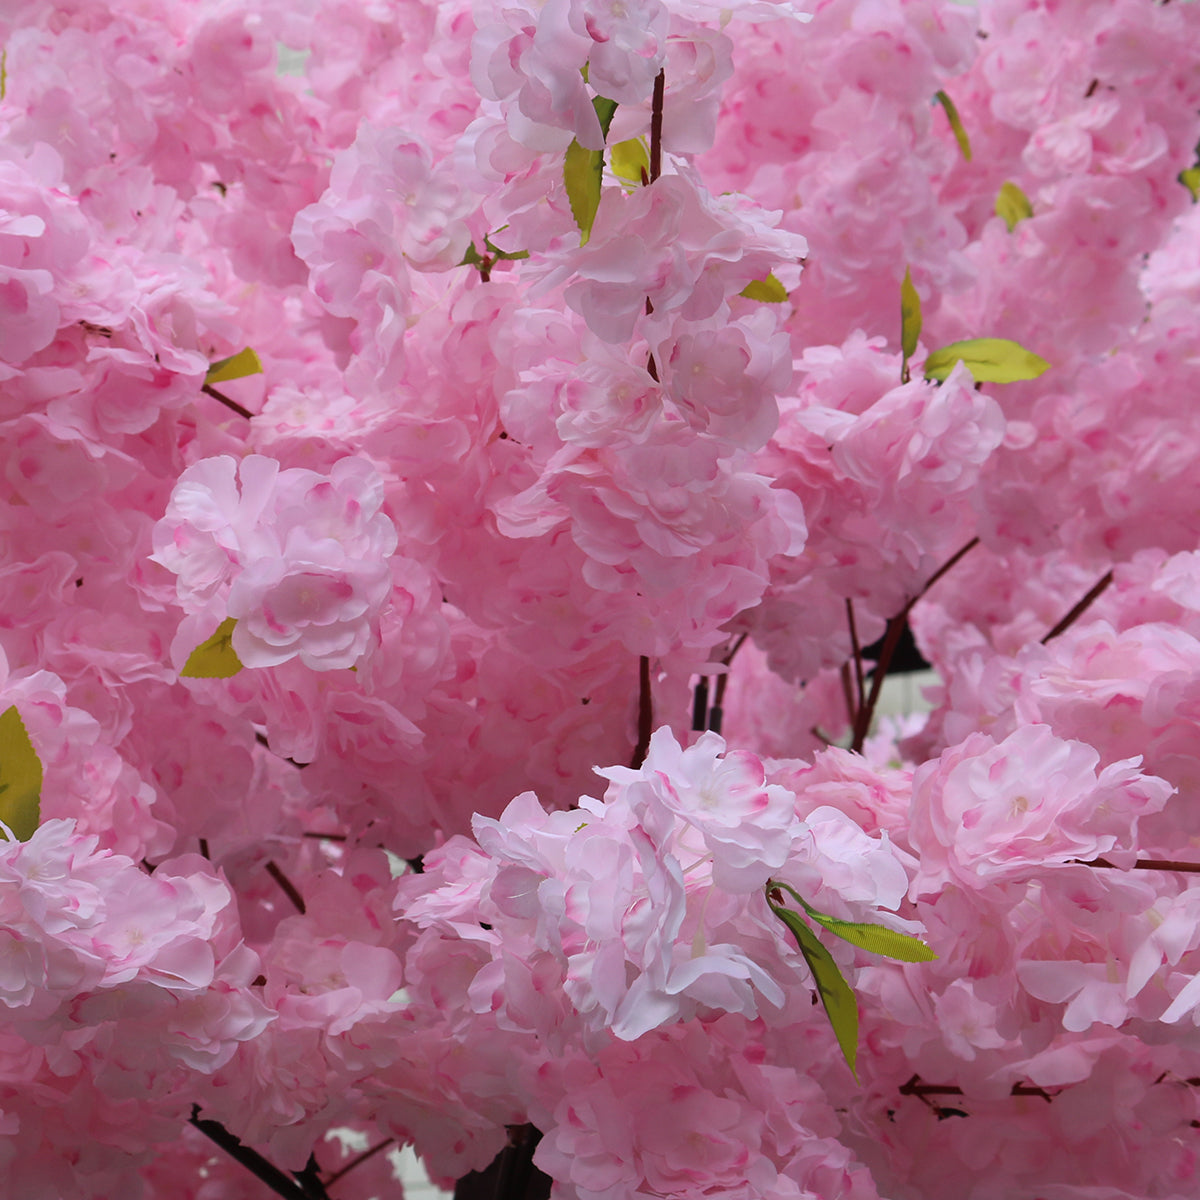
(20, 777)
(990, 360)
(1190, 179)
(835, 992)
(1012, 205)
(960, 134)
(605, 111)
(631, 160)
(507, 255)
(214, 658)
(769, 291)
(878, 939)
(3, 72)
(236, 366)
(472, 257)
(910, 318)
(583, 171)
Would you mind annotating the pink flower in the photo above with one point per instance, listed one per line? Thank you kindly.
(988, 811)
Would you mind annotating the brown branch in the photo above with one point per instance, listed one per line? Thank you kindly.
(354, 1162)
(232, 405)
(645, 714)
(1145, 864)
(1084, 604)
(287, 885)
(303, 1188)
(858, 662)
(656, 125)
(891, 639)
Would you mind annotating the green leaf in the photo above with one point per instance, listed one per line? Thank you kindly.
(631, 160)
(20, 777)
(910, 318)
(769, 291)
(835, 992)
(507, 255)
(3, 72)
(878, 939)
(1190, 179)
(236, 366)
(1012, 205)
(990, 360)
(583, 171)
(960, 134)
(214, 658)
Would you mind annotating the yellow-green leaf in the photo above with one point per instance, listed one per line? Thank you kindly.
(1190, 179)
(214, 658)
(910, 317)
(631, 160)
(236, 366)
(835, 992)
(960, 134)
(878, 939)
(20, 777)
(583, 170)
(769, 291)
(990, 360)
(1012, 205)
(3, 72)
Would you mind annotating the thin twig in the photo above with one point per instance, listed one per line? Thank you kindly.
(287, 885)
(858, 662)
(1144, 864)
(891, 639)
(354, 1162)
(1084, 604)
(232, 405)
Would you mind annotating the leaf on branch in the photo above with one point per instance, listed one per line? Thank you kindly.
(835, 992)
(878, 939)
(631, 160)
(214, 658)
(990, 360)
(1012, 205)
(1190, 178)
(583, 171)
(20, 777)
(236, 366)
(910, 321)
(960, 134)
(767, 291)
